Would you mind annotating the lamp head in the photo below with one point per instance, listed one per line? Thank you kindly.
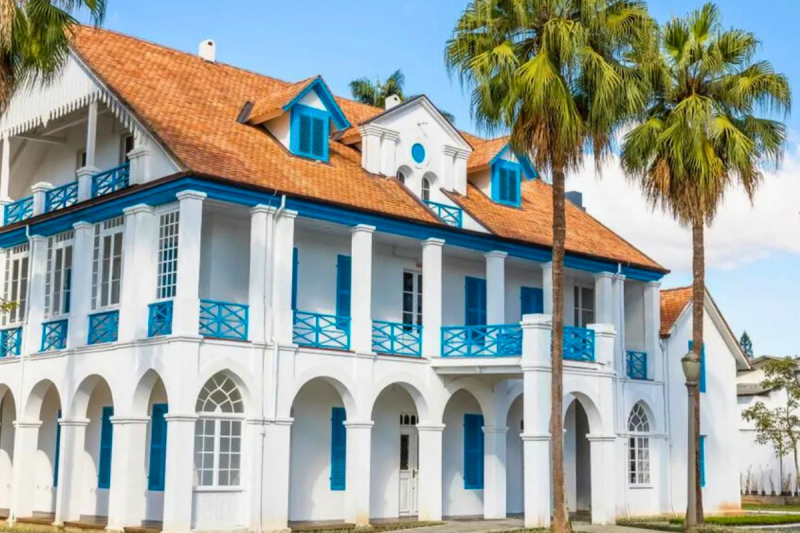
(691, 368)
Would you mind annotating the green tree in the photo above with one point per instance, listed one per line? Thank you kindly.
(556, 74)
(779, 426)
(702, 132)
(747, 345)
(35, 37)
(375, 93)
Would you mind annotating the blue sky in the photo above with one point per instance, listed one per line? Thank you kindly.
(755, 285)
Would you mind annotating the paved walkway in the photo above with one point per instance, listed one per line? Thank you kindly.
(510, 524)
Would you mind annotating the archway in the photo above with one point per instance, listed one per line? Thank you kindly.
(462, 456)
(577, 459)
(515, 466)
(43, 405)
(150, 400)
(8, 415)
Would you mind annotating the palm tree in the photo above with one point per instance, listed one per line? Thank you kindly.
(554, 73)
(375, 94)
(702, 132)
(35, 37)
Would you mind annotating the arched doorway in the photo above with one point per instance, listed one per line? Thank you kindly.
(8, 415)
(515, 466)
(150, 399)
(36, 495)
(462, 456)
(577, 460)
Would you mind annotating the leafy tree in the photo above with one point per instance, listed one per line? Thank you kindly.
(747, 345)
(375, 94)
(35, 37)
(780, 426)
(555, 73)
(702, 132)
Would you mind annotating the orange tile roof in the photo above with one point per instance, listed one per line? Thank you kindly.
(484, 151)
(673, 302)
(272, 105)
(194, 117)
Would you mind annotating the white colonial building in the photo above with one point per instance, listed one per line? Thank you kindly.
(245, 303)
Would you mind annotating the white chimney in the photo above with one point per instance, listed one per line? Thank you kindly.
(392, 101)
(207, 50)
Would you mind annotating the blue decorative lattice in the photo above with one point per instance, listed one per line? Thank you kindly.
(10, 341)
(482, 341)
(54, 335)
(103, 327)
(61, 197)
(111, 180)
(636, 363)
(19, 210)
(578, 344)
(321, 331)
(449, 214)
(396, 339)
(223, 320)
(159, 318)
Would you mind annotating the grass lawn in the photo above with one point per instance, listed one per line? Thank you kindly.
(714, 524)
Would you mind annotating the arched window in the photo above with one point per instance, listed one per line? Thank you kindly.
(401, 175)
(218, 433)
(426, 188)
(639, 446)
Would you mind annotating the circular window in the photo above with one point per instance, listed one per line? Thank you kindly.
(418, 153)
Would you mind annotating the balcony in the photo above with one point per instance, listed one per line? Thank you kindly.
(579, 344)
(19, 210)
(449, 214)
(223, 320)
(321, 331)
(103, 327)
(159, 318)
(392, 338)
(10, 342)
(636, 364)
(61, 197)
(111, 180)
(54, 335)
(482, 341)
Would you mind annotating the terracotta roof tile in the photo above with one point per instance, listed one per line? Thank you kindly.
(484, 151)
(673, 302)
(273, 104)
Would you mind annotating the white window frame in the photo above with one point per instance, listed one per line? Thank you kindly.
(15, 288)
(581, 312)
(639, 459)
(416, 298)
(425, 188)
(217, 420)
(58, 277)
(104, 233)
(167, 265)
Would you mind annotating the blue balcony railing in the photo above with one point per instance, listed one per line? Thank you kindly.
(54, 335)
(394, 338)
(19, 210)
(578, 344)
(321, 331)
(223, 320)
(103, 327)
(449, 214)
(482, 341)
(61, 197)
(159, 318)
(111, 180)
(10, 341)
(636, 364)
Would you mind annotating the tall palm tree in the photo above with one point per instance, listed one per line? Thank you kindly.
(553, 72)
(375, 94)
(702, 132)
(35, 37)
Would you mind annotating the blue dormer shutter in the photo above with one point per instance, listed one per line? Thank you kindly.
(343, 283)
(473, 451)
(531, 300)
(506, 177)
(338, 449)
(106, 444)
(158, 448)
(319, 136)
(305, 133)
(309, 132)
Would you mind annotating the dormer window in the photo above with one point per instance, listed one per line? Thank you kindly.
(506, 180)
(309, 132)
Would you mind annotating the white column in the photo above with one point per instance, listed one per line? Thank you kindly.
(432, 297)
(361, 289)
(5, 169)
(39, 191)
(494, 493)
(371, 147)
(179, 475)
(81, 294)
(186, 306)
(603, 298)
(429, 488)
(282, 277)
(603, 471)
(604, 341)
(619, 325)
(259, 271)
(547, 288)
(126, 500)
(359, 457)
(652, 329)
(140, 257)
(36, 292)
(70, 474)
(388, 153)
(26, 436)
(274, 502)
(495, 287)
(86, 172)
(140, 162)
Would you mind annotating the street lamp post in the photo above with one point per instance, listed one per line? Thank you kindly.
(691, 370)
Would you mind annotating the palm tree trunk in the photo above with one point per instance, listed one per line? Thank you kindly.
(698, 302)
(560, 514)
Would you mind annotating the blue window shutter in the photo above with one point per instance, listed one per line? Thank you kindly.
(702, 460)
(295, 270)
(319, 138)
(106, 443)
(531, 300)
(702, 382)
(309, 132)
(305, 134)
(338, 449)
(473, 451)
(475, 301)
(158, 448)
(343, 283)
(58, 450)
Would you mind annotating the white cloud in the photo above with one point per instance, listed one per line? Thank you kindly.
(741, 232)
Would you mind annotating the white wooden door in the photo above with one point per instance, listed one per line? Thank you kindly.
(408, 470)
